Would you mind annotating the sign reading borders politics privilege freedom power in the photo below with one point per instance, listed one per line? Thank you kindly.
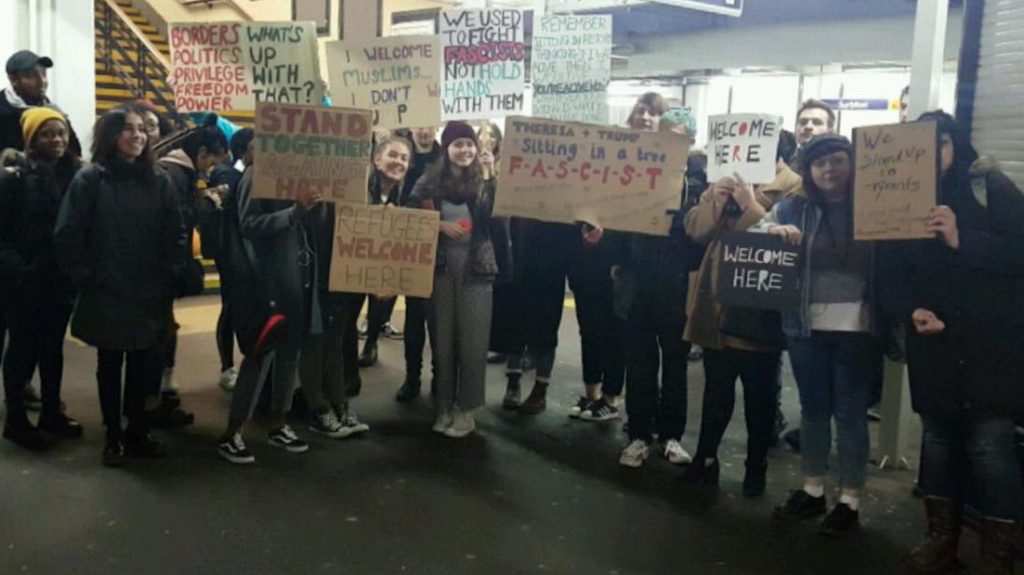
(569, 172)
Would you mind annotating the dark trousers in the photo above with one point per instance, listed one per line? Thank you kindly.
(757, 371)
(973, 457)
(419, 325)
(349, 307)
(655, 340)
(225, 332)
(3, 335)
(321, 367)
(141, 369)
(378, 314)
(37, 339)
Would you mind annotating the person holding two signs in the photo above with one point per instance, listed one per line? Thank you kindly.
(959, 299)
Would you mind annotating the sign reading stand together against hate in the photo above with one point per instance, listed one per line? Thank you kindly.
(396, 77)
(232, 65)
(571, 68)
(299, 149)
(895, 181)
(384, 250)
(758, 271)
(612, 177)
(744, 144)
(484, 63)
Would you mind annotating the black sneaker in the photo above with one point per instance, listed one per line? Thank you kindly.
(60, 425)
(286, 439)
(114, 454)
(800, 505)
(600, 410)
(409, 391)
(25, 434)
(143, 445)
(235, 451)
(840, 520)
(700, 473)
(582, 404)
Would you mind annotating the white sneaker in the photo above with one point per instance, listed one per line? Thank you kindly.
(462, 425)
(167, 383)
(445, 417)
(326, 423)
(349, 419)
(228, 378)
(675, 453)
(635, 453)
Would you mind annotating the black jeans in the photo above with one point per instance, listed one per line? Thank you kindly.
(418, 326)
(37, 339)
(349, 306)
(142, 368)
(655, 340)
(757, 371)
(225, 327)
(378, 314)
(973, 457)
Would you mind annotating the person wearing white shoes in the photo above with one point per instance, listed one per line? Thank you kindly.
(464, 276)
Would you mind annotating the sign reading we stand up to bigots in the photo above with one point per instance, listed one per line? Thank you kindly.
(611, 177)
(225, 66)
(484, 63)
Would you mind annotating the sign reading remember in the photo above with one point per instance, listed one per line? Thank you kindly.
(758, 271)
(484, 63)
(744, 144)
(396, 77)
(384, 250)
(895, 181)
(612, 177)
(303, 148)
(571, 68)
(233, 65)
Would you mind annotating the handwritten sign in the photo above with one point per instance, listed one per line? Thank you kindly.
(895, 181)
(612, 177)
(484, 63)
(758, 271)
(744, 144)
(311, 148)
(396, 77)
(384, 250)
(571, 68)
(232, 65)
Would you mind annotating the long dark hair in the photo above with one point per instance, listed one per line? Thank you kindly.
(444, 184)
(105, 134)
(964, 155)
(206, 135)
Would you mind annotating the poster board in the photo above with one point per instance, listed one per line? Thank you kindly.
(744, 144)
(384, 250)
(758, 271)
(220, 66)
(299, 148)
(396, 77)
(571, 66)
(569, 172)
(895, 180)
(484, 63)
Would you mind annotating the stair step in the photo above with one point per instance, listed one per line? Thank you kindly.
(113, 80)
(158, 41)
(120, 94)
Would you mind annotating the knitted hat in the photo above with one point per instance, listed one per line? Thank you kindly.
(677, 116)
(33, 118)
(455, 130)
(819, 147)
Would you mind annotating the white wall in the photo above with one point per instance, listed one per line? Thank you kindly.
(62, 30)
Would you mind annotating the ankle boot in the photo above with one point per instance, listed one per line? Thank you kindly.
(537, 401)
(702, 471)
(20, 430)
(937, 553)
(369, 355)
(998, 547)
(513, 396)
(755, 478)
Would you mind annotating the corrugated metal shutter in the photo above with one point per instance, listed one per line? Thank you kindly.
(998, 126)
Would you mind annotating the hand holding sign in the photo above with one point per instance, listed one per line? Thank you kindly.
(758, 271)
(790, 234)
(942, 221)
(926, 322)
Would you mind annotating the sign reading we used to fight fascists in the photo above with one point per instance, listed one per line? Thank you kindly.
(384, 250)
(233, 65)
(311, 148)
(612, 177)
(744, 144)
(484, 63)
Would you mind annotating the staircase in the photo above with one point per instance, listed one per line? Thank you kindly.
(133, 62)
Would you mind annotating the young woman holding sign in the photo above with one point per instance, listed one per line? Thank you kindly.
(958, 297)
(828, 336)
(465, 272)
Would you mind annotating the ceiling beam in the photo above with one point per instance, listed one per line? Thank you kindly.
(732, 8)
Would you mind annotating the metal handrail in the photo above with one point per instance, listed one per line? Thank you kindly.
(138, 33)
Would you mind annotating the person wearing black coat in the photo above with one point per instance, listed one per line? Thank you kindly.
(119, 238)
(26, 73)
(958, 298)
(37, 296)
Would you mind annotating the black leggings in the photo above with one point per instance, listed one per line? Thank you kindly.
(37, 339)
(142, 369)
(225, 336)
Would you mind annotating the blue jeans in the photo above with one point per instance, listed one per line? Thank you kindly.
(973, 456)
(834, 375)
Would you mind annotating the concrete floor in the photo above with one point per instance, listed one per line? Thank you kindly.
(524, 495)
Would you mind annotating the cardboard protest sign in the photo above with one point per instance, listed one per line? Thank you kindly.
(384, 250)
(571, 67)
(895, 180)
(758, 271)
(484, 63)
(300, 148)
(232, 65)
(744, 144)
(567, 172)
(398, 78)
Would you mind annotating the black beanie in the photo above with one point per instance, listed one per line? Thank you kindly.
(455, 130)
(819, 147)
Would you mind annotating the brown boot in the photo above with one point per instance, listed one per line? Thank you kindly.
(937, 553)
(998, 548)
(536, 402)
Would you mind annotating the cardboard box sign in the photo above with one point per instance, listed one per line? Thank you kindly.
(744, 144)
(484, 55)
(759, 271)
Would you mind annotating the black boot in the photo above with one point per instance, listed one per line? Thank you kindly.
(141, 443)
(513, 396)
(998, 548)
(56, 423)
(702, 471)
(21, 431)
(754, 480)
(409, 391)
(369, 356)
(937, 553)
(537, 401)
